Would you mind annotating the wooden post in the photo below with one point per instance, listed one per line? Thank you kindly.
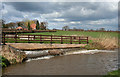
(51, 39)
(40, 39)
(61, 39)
(28, 38)
(87, 40)
(79, 41)
(15, 37)
(34, 37)
(3, 38)
(70, 39)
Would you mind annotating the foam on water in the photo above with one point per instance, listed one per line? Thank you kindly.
(45, 57)
(35, 52)
(67, 53)
(88, 52)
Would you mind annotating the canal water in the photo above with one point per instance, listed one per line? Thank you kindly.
(85, 62)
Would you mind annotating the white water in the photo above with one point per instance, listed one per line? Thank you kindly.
(45, 57)
(40, 53)
(89, 51)
(31, 54)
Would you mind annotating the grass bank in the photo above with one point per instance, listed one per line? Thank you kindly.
(115, 73)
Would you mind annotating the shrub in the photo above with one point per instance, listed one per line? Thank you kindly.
(4, 62)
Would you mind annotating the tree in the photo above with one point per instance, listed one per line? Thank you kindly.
(37, 25)
(19, 24)
(29, 26)
(2, 22)
(102, 29)
(74, 28)
(65, 28)
(26, 23)
(10, 25)
(43, 25)
(32, 21)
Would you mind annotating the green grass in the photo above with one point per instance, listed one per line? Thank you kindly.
(115, 73)
(92, 34)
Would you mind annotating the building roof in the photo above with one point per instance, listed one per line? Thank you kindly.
(33, 26)
(19, 27)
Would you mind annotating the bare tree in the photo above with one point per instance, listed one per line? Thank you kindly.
(43, 25)
(2, 23)
(74, 28)
(37, 25)
(65, 28)
(102, 29)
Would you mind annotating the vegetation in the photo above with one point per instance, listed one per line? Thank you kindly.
(29, 26)
(18, 24)
(115, 73)
(37, 25)
(65, 28)
(43, 25)
(3, 23)
(4, 62)
(80, 33)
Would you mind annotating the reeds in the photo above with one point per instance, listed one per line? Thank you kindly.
(106, 42)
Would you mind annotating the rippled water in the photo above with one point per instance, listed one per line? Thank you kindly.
(92, 62)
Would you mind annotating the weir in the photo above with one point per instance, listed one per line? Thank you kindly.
(38, 46)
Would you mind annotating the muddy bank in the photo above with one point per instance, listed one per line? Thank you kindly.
(12, 55)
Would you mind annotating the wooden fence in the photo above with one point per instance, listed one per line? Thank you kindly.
(21, 38)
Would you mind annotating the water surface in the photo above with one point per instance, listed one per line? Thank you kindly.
(69, 64)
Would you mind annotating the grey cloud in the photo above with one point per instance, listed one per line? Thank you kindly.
(8, 13)
(48, 7)
(101, 12)
(70, 11)
(40, 7)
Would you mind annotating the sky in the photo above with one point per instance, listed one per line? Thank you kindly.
(81, 15)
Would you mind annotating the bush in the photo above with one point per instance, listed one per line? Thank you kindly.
(113, 74)
(4, 62)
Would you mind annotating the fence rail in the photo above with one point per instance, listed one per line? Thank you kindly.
(43, 38)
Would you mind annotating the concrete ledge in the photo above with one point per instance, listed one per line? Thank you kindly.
(37, 46)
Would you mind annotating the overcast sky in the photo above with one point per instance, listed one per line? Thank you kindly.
(83, 15)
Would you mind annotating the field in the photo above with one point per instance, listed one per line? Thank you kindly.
(80, 33)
